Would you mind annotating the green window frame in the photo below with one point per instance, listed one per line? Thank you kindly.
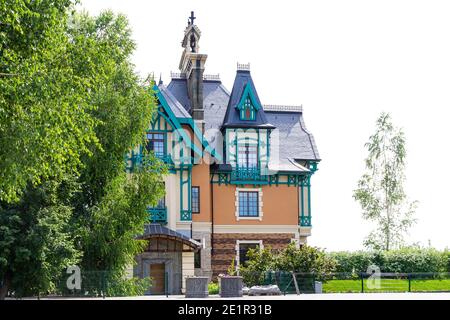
(248, 111)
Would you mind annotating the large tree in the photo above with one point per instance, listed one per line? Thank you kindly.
(65, 196)
(45, 122)
(380, 190)
(111, 209)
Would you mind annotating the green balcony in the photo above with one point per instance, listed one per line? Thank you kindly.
(305, 221)
(157, 215)
(250, 175)
(137, 160)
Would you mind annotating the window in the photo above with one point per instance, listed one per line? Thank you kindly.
(248, 204)
(156, 143)
(243, 250)
(247, 156)
(248, 111)
(198, 256)
(195, 199)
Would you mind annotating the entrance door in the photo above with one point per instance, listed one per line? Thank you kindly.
(157, 272)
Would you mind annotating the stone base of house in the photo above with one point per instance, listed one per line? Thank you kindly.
(204, 237)
(226, 246)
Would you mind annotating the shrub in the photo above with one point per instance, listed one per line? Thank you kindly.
(213, 288)
(305, 259)
(128, 287)
(405, 260)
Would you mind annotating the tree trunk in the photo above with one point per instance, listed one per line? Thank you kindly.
(5, 287)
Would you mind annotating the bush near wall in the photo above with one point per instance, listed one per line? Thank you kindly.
(407, 260)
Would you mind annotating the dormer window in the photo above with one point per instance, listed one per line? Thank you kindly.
(248, 112)
(248, 105)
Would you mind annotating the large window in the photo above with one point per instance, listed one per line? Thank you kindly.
(243, 251)
(195, 196)
(156, 143)
(248, 204)
(247, 156)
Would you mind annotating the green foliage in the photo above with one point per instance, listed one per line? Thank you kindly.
(380, 190)
(231, 271)
(45, 122)
(122, 287)
(71, 107)
(213, 288)
(304, 259)
(405, 260)
(111, 209)
(35, 238)
(259, 262)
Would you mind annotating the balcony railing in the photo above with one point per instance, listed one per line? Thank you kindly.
(305, 221)
(157, 215)
(138, 159)
(249, 174)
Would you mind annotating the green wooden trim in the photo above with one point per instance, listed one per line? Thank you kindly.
(200, 137)
(175, 122)
(248, 92)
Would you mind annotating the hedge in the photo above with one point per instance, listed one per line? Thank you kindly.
(408, 260)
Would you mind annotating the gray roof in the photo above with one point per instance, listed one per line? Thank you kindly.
(215, 101)
(174, 104)
(157, 230)
(232, 118)
(296, 142)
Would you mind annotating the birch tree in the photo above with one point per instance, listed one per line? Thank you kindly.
(380, 190)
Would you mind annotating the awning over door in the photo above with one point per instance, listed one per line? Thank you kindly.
(169, 239)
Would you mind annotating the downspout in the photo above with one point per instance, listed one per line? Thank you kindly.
(212, 219)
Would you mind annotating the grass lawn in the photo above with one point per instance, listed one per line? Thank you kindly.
(387, 285)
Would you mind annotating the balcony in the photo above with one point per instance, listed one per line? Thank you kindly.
(138, 159)
(157, 215)
(250, 175)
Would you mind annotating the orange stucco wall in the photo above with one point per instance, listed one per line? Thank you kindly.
(280, 205)
(200, 178)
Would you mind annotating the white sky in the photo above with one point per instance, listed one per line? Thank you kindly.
(345, 61)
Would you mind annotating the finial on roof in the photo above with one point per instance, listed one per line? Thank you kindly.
(191, 18)
(160, 80)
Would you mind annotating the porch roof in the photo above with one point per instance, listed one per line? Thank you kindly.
(155, 230)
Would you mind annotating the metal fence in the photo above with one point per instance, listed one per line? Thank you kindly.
(289, 282)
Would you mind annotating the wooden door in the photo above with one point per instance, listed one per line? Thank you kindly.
(157, 272)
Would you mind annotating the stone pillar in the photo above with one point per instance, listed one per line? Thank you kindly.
(187, 269)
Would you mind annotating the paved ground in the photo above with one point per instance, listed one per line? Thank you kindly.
(328, 296)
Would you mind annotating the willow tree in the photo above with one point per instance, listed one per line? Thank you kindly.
(380, 190)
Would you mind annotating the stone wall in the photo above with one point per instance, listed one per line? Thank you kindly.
(205, 253)
(224, 246)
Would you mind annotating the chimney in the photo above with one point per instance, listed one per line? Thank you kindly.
(192, 65)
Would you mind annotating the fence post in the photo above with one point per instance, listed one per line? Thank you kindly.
(409, 282)
(362, 282)
(166, 284)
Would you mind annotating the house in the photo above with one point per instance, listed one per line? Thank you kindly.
(240, 173)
